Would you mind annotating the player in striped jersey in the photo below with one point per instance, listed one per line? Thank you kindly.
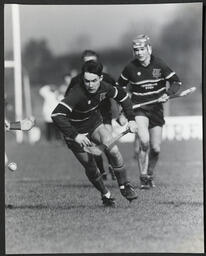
(146, 76)
(79, 119)
(106, 107)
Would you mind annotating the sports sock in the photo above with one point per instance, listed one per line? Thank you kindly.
(121, 175)
(108, 157)
(153, 158)
(110, 165)
(99, 162)
(96, 179)
(117, 163)
(143, 159)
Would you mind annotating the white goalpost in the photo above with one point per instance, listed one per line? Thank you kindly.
(17, 66)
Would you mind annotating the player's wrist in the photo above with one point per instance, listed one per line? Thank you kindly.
(174, 88)
(75, 136)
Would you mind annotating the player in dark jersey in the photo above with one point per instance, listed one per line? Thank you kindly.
(105, 107)
(79, 119)
(146, 76)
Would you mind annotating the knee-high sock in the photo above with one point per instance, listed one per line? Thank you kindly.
(99, 162)
(121, 174)
(96, 179)
(118, 166)
(143, 160)
(108, 157)
(153, 158)
(91, 170)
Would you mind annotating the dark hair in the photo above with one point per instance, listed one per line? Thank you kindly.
(87, 53)
(94, 67)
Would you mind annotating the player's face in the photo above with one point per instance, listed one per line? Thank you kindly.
(141, 53)
(92, 82)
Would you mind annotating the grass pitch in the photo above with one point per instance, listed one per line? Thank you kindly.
(52, 208)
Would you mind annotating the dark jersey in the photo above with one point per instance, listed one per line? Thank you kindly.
(79, 107)
(147, 83)
(106, 105)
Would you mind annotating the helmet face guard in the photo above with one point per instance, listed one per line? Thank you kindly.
(142, 41)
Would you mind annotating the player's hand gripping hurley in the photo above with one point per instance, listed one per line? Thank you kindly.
(99, 149)
(181, 94)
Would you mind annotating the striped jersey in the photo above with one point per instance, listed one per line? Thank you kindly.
(79, 106)
(106, 105)
(146, 83)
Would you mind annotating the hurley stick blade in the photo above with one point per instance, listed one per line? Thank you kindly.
(187, 92)
(26, 124)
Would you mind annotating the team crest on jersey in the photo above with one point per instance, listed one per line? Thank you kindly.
(139, 73)
(102, 96)
(156, 72)
(89, 102)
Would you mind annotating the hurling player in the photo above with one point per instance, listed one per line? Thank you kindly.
(147, 76)
(105, 107)
(79, 119)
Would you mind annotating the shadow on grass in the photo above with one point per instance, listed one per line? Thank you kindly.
(64, 184)
(50, 207)
(88, 185)
(180, 203)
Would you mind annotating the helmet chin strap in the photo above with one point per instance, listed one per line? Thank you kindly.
(149, 49)
(147, 61)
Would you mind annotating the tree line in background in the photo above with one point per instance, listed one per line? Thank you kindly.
(179, 44)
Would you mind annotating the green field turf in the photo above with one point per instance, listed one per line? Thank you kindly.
(52, 208)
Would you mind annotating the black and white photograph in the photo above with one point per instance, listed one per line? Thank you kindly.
(103, 126)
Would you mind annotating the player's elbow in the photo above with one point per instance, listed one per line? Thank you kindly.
(54, 118)
(57, 116)
(174, 88)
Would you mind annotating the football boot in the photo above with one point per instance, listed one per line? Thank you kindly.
(109, 202)
(151, 181)
(128, 191)
(144, 182)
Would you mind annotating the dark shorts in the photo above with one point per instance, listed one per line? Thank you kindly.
(154, 113)
(106, 111)
(86, 127)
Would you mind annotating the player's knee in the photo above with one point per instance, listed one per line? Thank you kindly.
(106, 139)
(115, 156)
(155, 149)
(145, 145)
(114, 150)
(144, 142)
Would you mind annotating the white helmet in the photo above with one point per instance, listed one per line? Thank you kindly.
(142, 41)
